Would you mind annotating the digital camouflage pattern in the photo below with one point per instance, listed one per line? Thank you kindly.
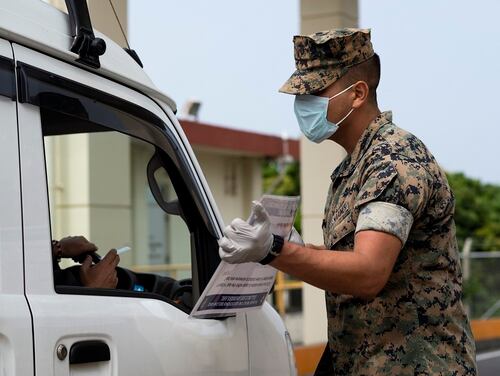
(323, 57)
(417, 324)
(385, 217)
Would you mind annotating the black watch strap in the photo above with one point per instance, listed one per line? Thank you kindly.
(275, 250)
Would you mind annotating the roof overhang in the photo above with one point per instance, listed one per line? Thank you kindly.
(238, 141)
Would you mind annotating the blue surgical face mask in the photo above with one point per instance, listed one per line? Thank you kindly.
(311, 112)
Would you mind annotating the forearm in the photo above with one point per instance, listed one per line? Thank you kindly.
(349, 273)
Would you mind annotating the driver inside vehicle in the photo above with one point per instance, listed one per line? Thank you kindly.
(100, 275)
(94, 272)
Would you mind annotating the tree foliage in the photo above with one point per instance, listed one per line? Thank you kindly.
(286, 184)
(477, 211)
(477, 215)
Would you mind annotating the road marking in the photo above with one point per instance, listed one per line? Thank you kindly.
(488, 355)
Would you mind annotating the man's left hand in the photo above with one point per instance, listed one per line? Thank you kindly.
(245, 242)
(74, 246)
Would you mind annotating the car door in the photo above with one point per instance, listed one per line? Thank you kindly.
(16, 345)
(91, 331)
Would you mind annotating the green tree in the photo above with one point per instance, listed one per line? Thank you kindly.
(477, 215)
(285, 183)
(477, 211)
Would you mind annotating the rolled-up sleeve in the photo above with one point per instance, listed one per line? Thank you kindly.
(393, 196)
(385, 217)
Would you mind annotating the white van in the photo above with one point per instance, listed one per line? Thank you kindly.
(48, 92)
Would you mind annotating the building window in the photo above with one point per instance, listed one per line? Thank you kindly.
(231, 178)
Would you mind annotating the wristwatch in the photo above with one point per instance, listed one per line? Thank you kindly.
(275, 250)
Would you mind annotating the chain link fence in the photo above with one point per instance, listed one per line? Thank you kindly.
(481, 271)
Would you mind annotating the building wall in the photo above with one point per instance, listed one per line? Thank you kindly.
(82, 201)
(103, 18)
(318, 162)
(234, 180)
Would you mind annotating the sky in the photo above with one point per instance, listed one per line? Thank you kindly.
(440, 67)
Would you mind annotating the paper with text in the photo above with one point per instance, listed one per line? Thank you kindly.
(241, 287)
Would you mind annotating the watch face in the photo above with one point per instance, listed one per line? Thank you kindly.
(277, 245)
(275, 250)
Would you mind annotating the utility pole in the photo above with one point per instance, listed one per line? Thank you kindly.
(466, 266)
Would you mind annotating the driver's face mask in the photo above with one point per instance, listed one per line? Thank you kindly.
(311, 112)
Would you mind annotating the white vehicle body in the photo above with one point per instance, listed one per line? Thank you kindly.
(144, 335)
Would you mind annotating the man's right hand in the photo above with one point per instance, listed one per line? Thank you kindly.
(245, 242)
(102, 274)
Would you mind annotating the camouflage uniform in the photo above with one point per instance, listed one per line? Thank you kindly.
(391, 183)
(417, 324)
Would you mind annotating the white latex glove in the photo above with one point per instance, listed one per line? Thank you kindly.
(247, 242)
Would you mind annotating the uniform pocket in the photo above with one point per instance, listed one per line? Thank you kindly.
(375, 186)
(341, 229)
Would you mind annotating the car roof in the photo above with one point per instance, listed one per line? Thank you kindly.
(41, 26)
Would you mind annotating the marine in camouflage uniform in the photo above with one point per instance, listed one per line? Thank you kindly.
(417, 324)
(391, 183)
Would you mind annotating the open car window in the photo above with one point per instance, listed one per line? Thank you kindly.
(117, 175)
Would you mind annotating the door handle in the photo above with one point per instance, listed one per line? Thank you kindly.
(89, 352)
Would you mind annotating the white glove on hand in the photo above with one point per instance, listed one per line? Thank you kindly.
(245, 242)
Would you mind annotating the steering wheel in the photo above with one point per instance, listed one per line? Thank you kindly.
(180, 287)
(180, 290)
(174, 290)
(126, 279)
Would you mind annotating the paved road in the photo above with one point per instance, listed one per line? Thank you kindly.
(488, 363)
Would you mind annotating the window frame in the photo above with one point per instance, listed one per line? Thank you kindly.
(7, 78)
(52, 92)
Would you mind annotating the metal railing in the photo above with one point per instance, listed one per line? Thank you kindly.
(481, 280)
(171, 269)
(481, 275)
(281, 286)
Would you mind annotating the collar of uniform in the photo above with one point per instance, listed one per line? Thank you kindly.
(346, 167)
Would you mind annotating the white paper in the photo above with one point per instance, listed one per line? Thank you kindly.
(242, 287)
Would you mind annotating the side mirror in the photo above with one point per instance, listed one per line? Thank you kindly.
(171, 207)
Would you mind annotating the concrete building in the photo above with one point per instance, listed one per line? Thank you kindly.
(318, 162)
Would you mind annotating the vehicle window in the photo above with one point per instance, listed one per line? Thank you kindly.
(106, 197)
(117, 175)
(98, 189)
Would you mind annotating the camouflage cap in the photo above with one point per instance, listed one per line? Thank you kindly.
(323, 57)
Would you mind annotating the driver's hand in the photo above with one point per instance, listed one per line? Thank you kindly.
(102, 274)
(74, 246)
